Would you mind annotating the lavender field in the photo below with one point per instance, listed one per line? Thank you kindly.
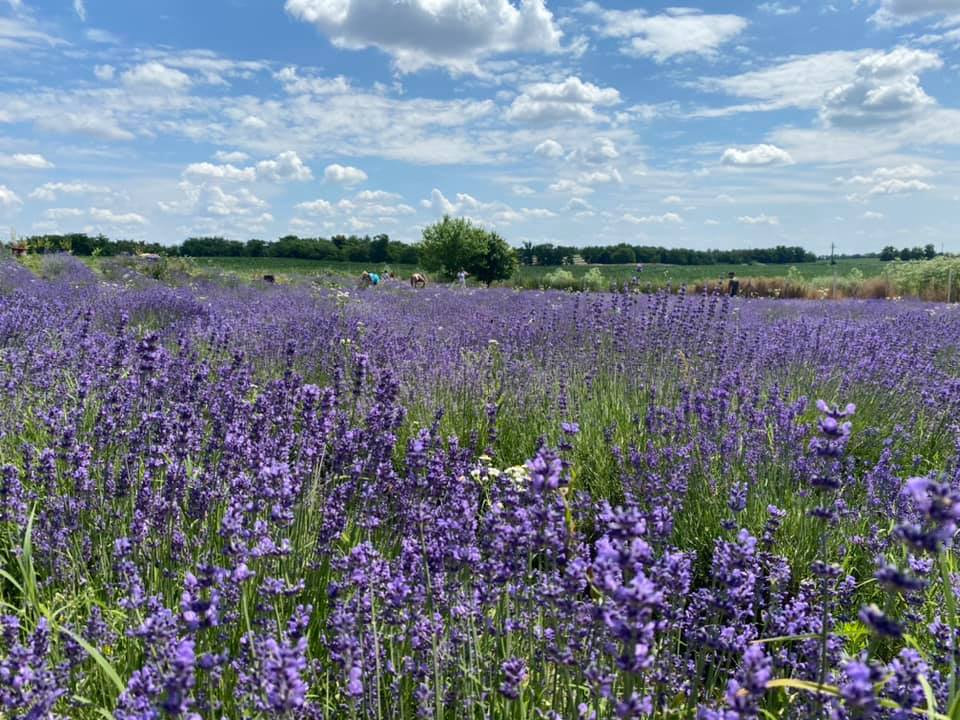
(301, 502)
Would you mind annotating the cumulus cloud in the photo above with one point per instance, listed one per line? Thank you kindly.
(570, 187)
(206, 170)
(104, 72)
(296, 84)
(153, 76)
(761, 219)
(600, 151)
(316, 207)
(670, 217)
(523, 190)
(50, 191)
(756, 156)
(898, 180)
(549, 148)
(672, 200)
(206, 197)
(886, 89)
(871, 215)
(286, 167)
(108, 216)
(572, 99)
(80, 8)
(674, 33)
(9, 200)
(453, 34)
(25, 161)
(343, 174)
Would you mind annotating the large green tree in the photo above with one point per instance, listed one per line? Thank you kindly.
(455, 244)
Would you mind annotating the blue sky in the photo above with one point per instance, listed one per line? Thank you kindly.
(709, 126)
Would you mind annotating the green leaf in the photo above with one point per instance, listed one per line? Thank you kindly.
(98, 657)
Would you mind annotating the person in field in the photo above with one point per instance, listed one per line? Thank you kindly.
(462, 278)
(733, 285)
(417, 280)
(368, 278)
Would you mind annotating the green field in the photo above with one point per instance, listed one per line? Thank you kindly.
(526, 275)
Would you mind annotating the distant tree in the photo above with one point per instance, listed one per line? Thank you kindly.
(888, 253)
(455, 244)
(255, 248)
(906, 254)
(929, 251)
(622, 254)
(380, 248)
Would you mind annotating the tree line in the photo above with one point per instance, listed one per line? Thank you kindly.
(548, 254)
(927, 252)
(381, 249)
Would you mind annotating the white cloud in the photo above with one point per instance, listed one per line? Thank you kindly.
(899, 12)
(208, 198)
(343, 174)
(25, 161)
(549, 148)
(205, 170)
(600, 152)
(669, 217)
(286, 167)
(99, 124)
(230, 157)
(570, 187)
(871, 215)
(674, 33)
(756, 156)
(63, 213)
(108, 216)
(80, 9)
(299, 85)
(376, 196)
(538, 213)
(153, 76)
(599, 177)
(898, 180)
(523, 190)
(778, 8)
(9, 199)
(672, 200)
(571, 99)
(104, 37)
(799, 81)
(420, 33)
(762, 219)
(49, 191)
(913, 170)
(316, 207)
(104, 72)
(886, 88)
(895, 186)
(16, 33)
